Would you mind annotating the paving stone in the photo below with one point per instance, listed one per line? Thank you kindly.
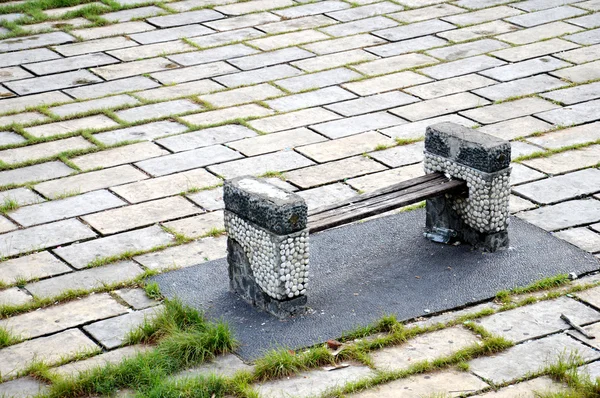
(258, 165)
(394, 64)
(223, 365)
(198, 226)
(508, 110)
(376, 181)
(91, 278)
(5, 93)
(588, 21)
(313, 383)
(520, 87)
(439, 106)
(133, 13)
(519, 149)
(538, 320)
(57, 12)
(573, 114)
(292, 120)
(580, 73)
(309, 99)
(118, 156)
(416, 130)
(22, 118)
(591, 371)
(334, 60)
(564, 215)
(573, 95)
(284, 140)
(22, 196)
(187, 5)
(571, 136)
(185, 18)
(27, 56)
(590, 296)
(91, 181)
(343, 43)
(458, 51)
(318, 80)
(188, 160)
(50, 350)
(79, 255)
(71, 126)
(57, 25)
(270, 58)
(115, 357)
(333, 171)
(360, 26)
(139, 215)
(450, 86)
(54, 82)
(526, 358)
(534, 50)
(366, 11)
(485, 15)
(478, 31)
(182, 256)
(420, 3)
(244, 21)
(19, 104)
(13, 297)
(213, 55)
(312, 9)
(9, 138)
(407, 46)
(386, 83)
(165, 35)
(44, 150)
(128, 69)
(206, 137)
(113, 332)
(180, 90)
(222, 38)
(517, 204)
(124, 28)
(535, 5)
(166, 186)
(345, 147)
(253, 6)
(450, 316)
(590, 5)
(92, 105)
(136, 298)
(326, 195)
(23, 387)
(372, 104)
(524, 68)
(13, 73)
(478, 4)
(413, 30)
(421, 14)
(462, 67)
(209, 200)
(12, 17)
(227, 115)
(192, 73)
(566, 161)
(527, 389)
(556, 189)
(538, 33)
(449, 383)
(38, 265)
(267, 74)
(548, 15)
(242, 95)
(66, 208)
(37, 172)
(425, 347)
(6, 225)
(135, 83)
(60, 317)
(152, 50)
(583, 238)
(159, 110)
(521, 174)
(148, 131)
(91, 46)
(400, 155)
(357, 124)
(36, 41)
(581, 55)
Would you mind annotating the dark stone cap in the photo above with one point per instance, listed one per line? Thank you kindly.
(270, 207)
(467, 146)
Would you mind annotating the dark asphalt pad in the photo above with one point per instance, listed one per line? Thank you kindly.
(384, 266)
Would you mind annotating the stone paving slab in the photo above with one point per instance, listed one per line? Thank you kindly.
(188, 160)
(527, 389)
(136, 298)
(37, 265)
(564, 215)
(566, 161)
(79, 255)
(198, 226)
(23, 387)
(567, 186)
(206, 137)
(528, 357)
(199, 251)
(14, 297)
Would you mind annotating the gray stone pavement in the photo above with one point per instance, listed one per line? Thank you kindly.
(114, 139)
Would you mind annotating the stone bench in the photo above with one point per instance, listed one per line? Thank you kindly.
(466, 186)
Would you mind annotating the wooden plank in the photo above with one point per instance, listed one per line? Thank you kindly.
(350, 212)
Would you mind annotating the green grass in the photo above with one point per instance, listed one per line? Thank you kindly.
(6, 338)
(565, 371)
(152, 290)
(8, 205)
(543, 284)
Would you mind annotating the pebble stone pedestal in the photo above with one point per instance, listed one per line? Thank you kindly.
(267, 245)
(479, 217)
